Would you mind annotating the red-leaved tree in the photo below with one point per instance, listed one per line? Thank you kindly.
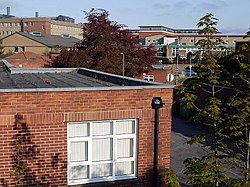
(102, 45)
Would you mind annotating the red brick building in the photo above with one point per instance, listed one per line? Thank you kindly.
(158, 73)
(64, 127)
(28, 60)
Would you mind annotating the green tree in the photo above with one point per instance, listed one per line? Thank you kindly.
(103, 43)
(204, 97)
(169, 177)
(239, 120)
(1, 51)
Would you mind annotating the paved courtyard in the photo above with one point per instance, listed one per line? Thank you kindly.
(181, 133)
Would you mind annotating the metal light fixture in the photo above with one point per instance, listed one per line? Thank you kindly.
(157, 103)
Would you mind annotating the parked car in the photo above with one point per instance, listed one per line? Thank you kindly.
(187, 72)
(193, 68)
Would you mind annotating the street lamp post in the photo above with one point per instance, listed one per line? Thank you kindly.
(123, 57)
(190, 65)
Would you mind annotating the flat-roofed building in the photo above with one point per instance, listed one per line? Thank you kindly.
(82, 127)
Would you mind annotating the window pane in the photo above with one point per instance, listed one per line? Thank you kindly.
(102, 149)
(78, 172)
(125, 127)
(125, 148)
(79, 130)
(102, 170)
(78, 151)
(124, 168)
(102, 128)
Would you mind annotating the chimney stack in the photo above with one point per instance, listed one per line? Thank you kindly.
(8, 10)
(36, 14)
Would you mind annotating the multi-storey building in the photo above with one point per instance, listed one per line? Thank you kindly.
(60, 25)
(172, 43)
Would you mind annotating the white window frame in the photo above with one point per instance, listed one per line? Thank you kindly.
(115, 159)
(149, 78)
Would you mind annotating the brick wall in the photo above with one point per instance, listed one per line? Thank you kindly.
(39, 26)
(43, 130)
(17, 40)
(37, 63)
(159, 76)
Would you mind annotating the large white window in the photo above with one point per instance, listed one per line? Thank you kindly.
(102, 151)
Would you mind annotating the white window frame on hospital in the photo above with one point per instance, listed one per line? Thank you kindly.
(117, 140)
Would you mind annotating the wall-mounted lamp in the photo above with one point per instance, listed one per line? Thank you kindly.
(157, 103)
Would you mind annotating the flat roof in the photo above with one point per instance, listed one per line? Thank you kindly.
(66, 79)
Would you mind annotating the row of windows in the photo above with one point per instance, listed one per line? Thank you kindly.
(192, 49)
(65, 27)
(6, 33)
(16, 24)
(17, 49)
(186, 31)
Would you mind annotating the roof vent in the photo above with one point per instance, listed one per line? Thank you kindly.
(36, 33)
(65, 35)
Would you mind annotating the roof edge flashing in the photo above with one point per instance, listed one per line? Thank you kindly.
(116, 79)
(8, 65)
(14, 70)
(79, 89)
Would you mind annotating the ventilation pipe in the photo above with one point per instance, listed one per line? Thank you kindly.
(8, 10)
(21, 24)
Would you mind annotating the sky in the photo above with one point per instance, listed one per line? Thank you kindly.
(233, 15)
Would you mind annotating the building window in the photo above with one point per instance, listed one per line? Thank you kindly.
(31, 23)
(43, 27)
(149, 78)
(25, 24)
(7, 33)
(22, 49)
(10, 24)
(3, 32)
(101, 151)
(6, 24)
(16, 49)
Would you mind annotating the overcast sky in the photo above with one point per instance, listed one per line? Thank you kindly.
(233, 15)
